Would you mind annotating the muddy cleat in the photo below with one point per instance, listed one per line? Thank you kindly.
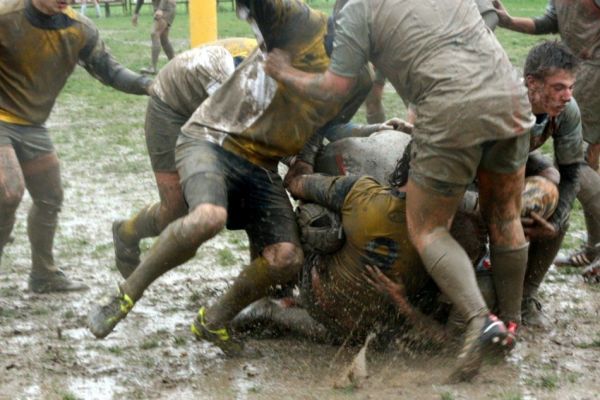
(581, 258)
(532, 314)
(102, 319)
(483, 334)
(127, 258)
(57, 282)
(219, 337)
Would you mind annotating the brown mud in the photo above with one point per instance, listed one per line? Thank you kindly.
(46, 351)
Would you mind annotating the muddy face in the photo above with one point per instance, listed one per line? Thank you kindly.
(551, 94)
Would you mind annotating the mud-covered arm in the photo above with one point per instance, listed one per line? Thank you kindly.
(395, 292)
(567, 191)
(488, 13)
(328, 191)
(547, 23)
(351, 52)
(101, 65)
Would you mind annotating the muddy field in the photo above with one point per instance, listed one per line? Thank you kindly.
(46, 351)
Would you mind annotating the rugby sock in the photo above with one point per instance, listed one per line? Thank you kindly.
(541, 255)
(42, 219)
(452, 270)
(168, 251)
(97, 10)
(155, 51)
(509, 266)
(141, 225)
(250, 285)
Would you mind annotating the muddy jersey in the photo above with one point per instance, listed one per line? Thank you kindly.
(578, 22)
(189, 78)
(439, 56)
(38, 52)
(565, 131)
(374, 224)
(251, 114)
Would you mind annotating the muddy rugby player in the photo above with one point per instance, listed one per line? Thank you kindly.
(179, 88)
(41, 42)
(164, 15)
(550, 71)
(578, 24)
(226, 156)
(445, 53)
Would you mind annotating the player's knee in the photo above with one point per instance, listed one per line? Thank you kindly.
(285, 261)
(205, 221)
(50, 200)
(11, 195)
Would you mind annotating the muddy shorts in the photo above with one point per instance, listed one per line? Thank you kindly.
(162, 129)
(536, 163)
(587, 89)
(253, 196)
(449, 171)
(169, 12)
(28, 141)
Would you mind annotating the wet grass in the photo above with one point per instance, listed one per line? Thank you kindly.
(226, 257)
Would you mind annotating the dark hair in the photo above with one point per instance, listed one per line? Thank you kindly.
(399, 175)
(547, 57)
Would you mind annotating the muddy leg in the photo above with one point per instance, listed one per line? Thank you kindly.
(278, 264)
(589, 197)
(500, 200)
(175, 245)
(152, 219)
(166, 43)
(12, 187)
(42, 177)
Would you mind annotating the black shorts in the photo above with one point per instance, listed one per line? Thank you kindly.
(253, 196)
(162, 129)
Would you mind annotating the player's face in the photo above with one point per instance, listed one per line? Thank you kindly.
(551, 94)
(51, 7)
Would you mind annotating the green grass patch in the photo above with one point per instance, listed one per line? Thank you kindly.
(226, 258)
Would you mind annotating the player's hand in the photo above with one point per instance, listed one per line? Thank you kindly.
(537, 228)
(297, 168)
(277, 61)
(397, 124)
(503, 16)
(134, 19)
(158, 14)
(383, 284)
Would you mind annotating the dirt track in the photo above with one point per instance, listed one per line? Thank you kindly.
(47, 353)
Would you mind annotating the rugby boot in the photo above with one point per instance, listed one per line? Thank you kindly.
(103, 318)
(532, 314)
(127, 258)
(483, 334)
(220, 337)
(56, 281)
(581, 258)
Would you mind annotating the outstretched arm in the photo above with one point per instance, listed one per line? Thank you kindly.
(102, 66)
(326, 86)
(547, 23)
(396, 293)
(328, 191)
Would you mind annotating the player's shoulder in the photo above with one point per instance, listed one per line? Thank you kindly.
(8, 7)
